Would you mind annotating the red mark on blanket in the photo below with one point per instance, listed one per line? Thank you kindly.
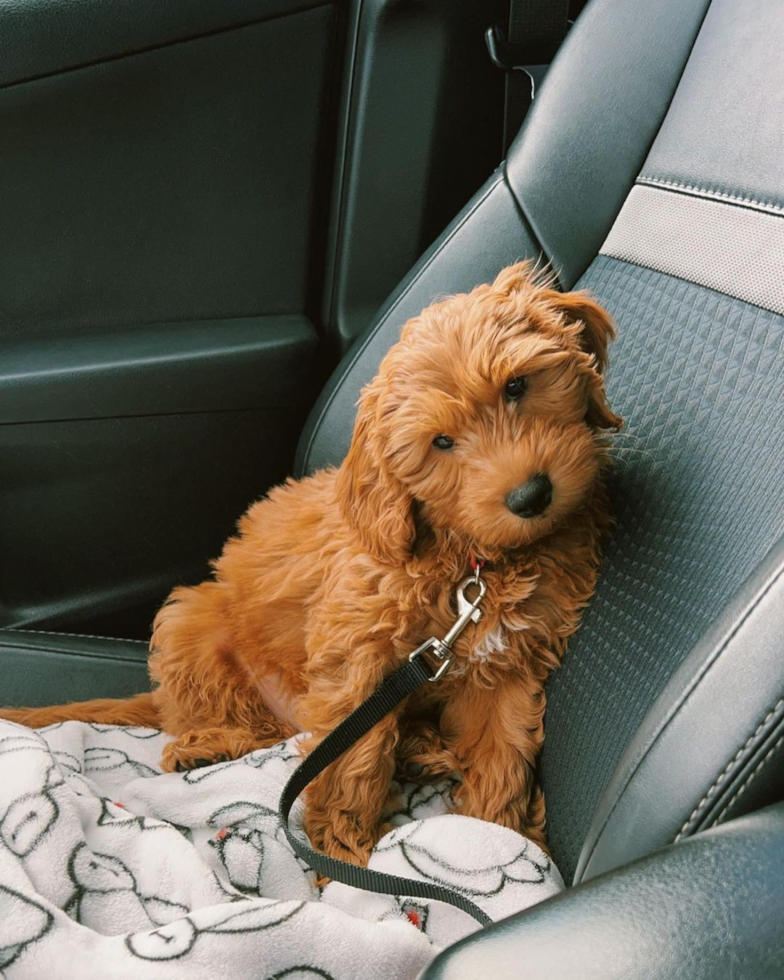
(222, 833)
(413, 918)
(120, 805)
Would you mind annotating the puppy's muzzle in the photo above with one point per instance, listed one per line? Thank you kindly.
(532, 498)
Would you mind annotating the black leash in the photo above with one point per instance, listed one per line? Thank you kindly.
(387, 696)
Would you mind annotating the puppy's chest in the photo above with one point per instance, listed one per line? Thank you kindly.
(492, 643)
(497, 640)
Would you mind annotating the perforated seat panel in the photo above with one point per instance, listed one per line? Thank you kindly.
(699, 500)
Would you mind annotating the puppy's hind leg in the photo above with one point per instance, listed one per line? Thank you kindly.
(211, 698)
(206, 746)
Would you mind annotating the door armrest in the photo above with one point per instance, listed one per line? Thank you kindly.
(709, 907)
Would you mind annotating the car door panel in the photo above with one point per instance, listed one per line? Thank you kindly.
(41, 37)
(163, 188)
(104, 516)
(214, 365)
(175, 184)
(174, 180)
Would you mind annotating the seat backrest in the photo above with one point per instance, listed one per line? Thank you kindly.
(657, 142)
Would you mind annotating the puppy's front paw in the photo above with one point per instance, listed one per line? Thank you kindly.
(423, 757)
(343, 840)
(525, 817)
(207, 746)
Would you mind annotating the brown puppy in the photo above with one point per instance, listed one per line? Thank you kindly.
(480, 437)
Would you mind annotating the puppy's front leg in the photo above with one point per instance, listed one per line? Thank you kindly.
(343, 805)
(496, 736)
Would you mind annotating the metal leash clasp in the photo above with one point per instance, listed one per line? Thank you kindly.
(468, 611)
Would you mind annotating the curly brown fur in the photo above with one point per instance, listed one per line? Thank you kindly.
(333, 580)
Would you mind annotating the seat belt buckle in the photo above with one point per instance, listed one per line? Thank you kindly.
(504, 55)
(518, 57)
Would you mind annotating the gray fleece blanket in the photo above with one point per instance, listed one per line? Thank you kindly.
(111, 868)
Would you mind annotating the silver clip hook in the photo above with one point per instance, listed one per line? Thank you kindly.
(468, 611)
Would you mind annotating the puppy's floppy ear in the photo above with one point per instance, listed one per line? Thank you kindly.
(596, 332)
(373, 500)
(525, 277)
(515, 278)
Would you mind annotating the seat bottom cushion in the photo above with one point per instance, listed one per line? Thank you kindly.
(40, 668)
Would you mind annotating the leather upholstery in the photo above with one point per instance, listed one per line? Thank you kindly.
(488, 234)
(712, 745)
(709, 201)
(722, 135)
(734, 250)
(586, 138)
(698, 501)
(707, 909)
(47, 668)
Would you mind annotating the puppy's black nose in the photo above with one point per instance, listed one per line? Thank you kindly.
(532, 498)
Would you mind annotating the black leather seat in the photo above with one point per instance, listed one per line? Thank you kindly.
(650, 172)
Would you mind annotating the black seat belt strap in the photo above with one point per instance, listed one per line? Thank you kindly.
(535, 31)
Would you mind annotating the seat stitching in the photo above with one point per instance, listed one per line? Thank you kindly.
(81, 636)
(726, 771)
(743, 788)
(713, 194)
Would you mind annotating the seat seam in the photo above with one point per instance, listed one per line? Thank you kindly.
(80, 636)
(753, 774)
(682, 278)
(719, 196)
(722, 777)
(81, 655)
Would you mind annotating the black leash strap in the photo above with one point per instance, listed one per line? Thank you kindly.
(390, 693)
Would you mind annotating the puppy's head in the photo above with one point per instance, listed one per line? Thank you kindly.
(482, 422)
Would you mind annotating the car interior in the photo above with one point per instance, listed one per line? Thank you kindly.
(216, 220)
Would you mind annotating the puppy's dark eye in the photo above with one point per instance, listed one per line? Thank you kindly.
(443, 442)
(515, 388)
